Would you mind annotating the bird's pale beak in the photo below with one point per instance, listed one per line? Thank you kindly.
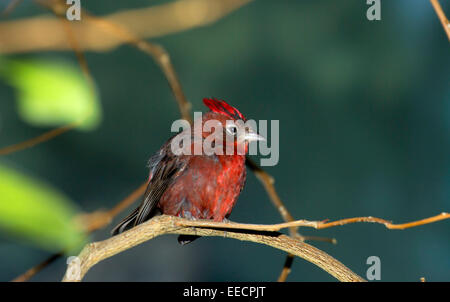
(251, 136)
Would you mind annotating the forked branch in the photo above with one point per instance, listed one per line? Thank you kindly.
(263, 234)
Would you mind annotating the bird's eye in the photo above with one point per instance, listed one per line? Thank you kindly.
(232, 130)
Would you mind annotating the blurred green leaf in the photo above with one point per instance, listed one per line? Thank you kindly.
(52, 93)
(36, 212)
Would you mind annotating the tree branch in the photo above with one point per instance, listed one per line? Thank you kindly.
(37, 268)
(95, 252)
(38, 139)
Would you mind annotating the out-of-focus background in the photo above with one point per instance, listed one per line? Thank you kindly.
(364, 117)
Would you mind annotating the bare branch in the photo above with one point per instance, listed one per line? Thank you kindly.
(160, 225)
(38, 140)
(387, 224)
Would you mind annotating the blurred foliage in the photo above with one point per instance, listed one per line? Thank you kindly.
(52, 93)
(37, 212)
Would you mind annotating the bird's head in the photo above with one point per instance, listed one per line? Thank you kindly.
(235, 132)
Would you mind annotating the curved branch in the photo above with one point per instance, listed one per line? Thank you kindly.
(95, 252)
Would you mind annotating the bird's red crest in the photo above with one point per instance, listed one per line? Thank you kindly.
(222, 107)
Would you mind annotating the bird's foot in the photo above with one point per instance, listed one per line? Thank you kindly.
(187, 215)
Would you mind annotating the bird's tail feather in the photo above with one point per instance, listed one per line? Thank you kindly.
(130, 221)
(126, 224)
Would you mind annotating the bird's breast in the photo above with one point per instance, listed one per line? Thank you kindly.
(208, 189)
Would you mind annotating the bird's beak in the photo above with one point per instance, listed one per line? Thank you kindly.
(251, 136)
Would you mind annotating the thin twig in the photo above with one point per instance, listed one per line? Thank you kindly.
(286, 268)
(9, 8)
(160, 225)
(386, 223)
(441, 15)
(39, 139)
(36, 269)
(312, 224)
(77, 50)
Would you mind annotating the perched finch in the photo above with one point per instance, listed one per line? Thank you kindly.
(197, 186)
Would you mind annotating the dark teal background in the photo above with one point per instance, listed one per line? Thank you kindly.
(364, 117)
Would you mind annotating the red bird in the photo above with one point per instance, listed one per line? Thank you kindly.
(196, 186)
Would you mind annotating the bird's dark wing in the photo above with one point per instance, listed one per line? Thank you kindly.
(165, 168)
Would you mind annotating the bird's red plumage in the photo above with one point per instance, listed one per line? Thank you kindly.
(208, 189)
(192, 186)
